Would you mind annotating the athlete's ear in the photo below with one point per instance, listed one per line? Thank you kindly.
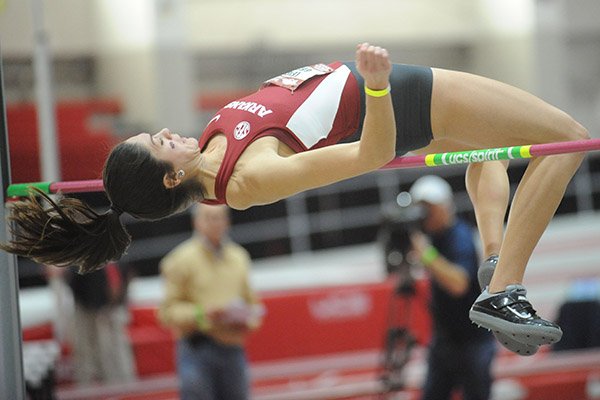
(171, 180)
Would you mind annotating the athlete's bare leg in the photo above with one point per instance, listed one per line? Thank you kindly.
(484, 113)
(489, 190)
(488, 187)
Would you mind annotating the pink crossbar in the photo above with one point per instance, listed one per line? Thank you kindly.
(77, 186)
(575, 146)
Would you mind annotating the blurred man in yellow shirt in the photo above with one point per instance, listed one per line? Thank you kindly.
(212, 308)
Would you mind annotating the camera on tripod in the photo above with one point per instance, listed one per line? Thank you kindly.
(397, 225)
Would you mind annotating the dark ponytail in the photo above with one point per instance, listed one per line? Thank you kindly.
(65, 233)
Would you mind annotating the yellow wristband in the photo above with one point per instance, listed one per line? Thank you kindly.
(377, 93)
(430, 254)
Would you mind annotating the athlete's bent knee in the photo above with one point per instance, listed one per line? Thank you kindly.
(577, 131)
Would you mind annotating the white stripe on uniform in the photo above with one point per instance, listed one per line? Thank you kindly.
(313, 120)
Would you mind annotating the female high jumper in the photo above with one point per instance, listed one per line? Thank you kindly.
(318, 125)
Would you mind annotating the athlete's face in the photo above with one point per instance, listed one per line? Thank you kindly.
(170, 147)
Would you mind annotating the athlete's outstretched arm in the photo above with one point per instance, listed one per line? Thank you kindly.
(281, 177)
(378, 137)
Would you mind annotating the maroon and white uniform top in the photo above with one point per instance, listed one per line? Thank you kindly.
(307, 108)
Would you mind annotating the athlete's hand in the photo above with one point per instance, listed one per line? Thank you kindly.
(374, 65)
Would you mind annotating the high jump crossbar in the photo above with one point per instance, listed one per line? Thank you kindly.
(500, 153)
(425, 160)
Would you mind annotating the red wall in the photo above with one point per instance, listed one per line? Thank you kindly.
(329, 320)
(82, 145)
(298, 323)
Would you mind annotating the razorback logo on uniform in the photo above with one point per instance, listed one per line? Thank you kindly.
(250, 106)
(241, 130)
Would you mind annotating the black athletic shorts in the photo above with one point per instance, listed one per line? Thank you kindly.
(411, 97)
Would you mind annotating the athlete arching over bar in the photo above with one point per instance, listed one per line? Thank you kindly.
(285, 138)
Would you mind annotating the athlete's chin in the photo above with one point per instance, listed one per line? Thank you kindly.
(192, 142)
